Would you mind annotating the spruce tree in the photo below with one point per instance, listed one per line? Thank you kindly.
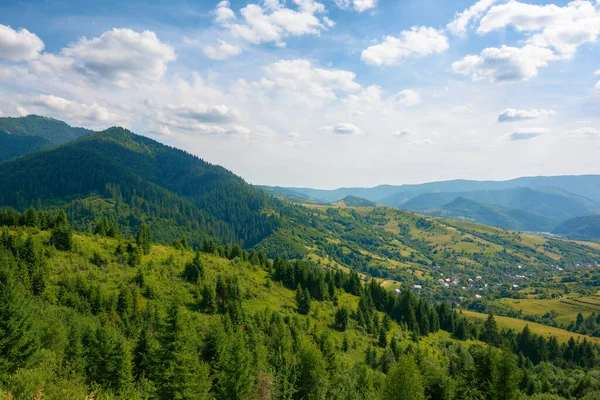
(404, 381)
(194, 269)
(18, 340)
(143, 238)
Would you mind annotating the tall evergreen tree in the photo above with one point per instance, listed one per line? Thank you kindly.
(404, 381)
(143, 238)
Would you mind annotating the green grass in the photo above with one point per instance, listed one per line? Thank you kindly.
(561, 335)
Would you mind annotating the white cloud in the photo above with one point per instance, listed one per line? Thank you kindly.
(416, 42)
(408, 98)
(422, 142)
(507, 63)
(526, 133)
(122, 56)
(598, 83)
(273, 22)
(403, 133)
(357, 5)
(458, 26)
(512, 115)
(583, 133)
(194, 119)
(92, 115)
(222, 51)
(224, 14)
(463, 108)
(300, 77)
(19, 45)
(561, 28)
(1, 113)
(341, 128)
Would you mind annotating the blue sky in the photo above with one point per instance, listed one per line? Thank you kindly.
(321, 93)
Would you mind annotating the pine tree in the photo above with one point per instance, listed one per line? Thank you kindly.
(490, 331)
(143, 238)
(404, 381)
(235, 373)
(194, 269)
(181, 374)
(62, 236)
(506, 377)
(382, 337)
(18, 340)
(302, 300)
(342, 317)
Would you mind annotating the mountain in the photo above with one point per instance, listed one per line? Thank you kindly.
(469, 210)
(586, 228)
(130, 180)
(353, 201)
(24, 135)
(551, 203)
(133, 179)
(581, 185)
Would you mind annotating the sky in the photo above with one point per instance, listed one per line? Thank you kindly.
(325, 93)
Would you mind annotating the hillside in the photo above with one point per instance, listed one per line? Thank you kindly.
(586, 228)
(105, 320)
(132, 179)
(24, 135)
(353, 201)
(469, 210)
(117, 178)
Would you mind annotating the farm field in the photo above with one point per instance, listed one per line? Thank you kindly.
(562, 335)
(566, 308)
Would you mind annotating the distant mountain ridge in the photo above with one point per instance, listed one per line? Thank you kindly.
(585, 228)
(24, 135)
(528, 203)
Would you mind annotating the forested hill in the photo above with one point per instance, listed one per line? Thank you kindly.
(24, 135)
(132, 179)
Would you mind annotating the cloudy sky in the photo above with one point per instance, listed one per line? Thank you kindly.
(322, 94)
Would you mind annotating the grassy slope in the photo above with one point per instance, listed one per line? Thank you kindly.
(518, 324)
(163, 267)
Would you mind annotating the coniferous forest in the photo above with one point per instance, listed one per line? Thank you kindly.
(100, 315)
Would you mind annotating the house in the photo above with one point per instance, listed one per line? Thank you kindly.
(419, 287)
(477, 278)
(477, 296)
(397, 291)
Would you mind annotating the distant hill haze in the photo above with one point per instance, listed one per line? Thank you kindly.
(529, 203)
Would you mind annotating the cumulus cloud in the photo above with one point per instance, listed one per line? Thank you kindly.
(598, 83)
(512, 115)
(222, 51)
(526, 133)
(122, 56)
(458, 26)
(422, 142)
(301, 77)
(408, 98)
(273, 22)
(583, 133)
(19, 45)
(341, 128)
(195, 119)
(505, 64)
(90, 115)
(562, 28)
(357, 5)
(402, 133)
(416, 42)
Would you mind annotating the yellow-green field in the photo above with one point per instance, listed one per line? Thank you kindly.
(566, 308)
(518, 324)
